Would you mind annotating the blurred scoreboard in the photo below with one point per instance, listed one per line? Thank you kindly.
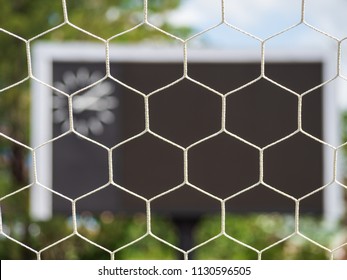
(111, 113)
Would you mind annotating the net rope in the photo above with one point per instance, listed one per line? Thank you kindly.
(184, 150)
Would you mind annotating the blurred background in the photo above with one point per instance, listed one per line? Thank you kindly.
(258, 219)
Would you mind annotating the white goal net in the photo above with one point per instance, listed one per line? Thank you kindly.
(182, 129)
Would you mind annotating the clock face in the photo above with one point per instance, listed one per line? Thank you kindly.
(93, 108)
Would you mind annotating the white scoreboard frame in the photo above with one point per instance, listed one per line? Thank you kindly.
(45, 53)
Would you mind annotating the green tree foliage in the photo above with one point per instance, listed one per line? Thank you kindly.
(112, 234)
(261, 231)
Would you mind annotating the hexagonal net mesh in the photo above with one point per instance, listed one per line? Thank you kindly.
(187, 147)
